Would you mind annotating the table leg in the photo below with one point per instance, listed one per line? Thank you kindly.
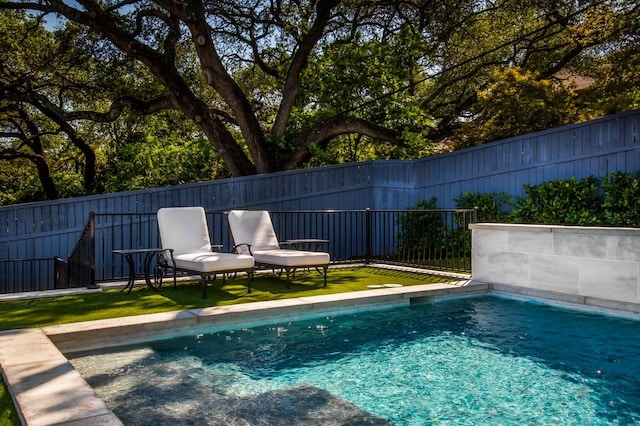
(132, 273)
(147, 270)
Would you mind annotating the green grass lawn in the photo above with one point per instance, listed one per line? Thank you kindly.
(113, 303)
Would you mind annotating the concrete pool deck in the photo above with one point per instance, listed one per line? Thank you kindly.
(47, 390)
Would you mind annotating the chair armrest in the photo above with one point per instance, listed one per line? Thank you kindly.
(235, 248)
(306, 244)
(169, 252)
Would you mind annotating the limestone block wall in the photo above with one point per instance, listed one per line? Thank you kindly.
(588, 262)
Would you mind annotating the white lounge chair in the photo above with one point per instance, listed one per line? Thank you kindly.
(185, 237)
(254, 235)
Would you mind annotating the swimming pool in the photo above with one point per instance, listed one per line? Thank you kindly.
(482, 360)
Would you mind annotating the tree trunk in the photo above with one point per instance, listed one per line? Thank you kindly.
(44, 174)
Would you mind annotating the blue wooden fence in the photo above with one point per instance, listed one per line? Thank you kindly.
(593, 148)
(47, 229)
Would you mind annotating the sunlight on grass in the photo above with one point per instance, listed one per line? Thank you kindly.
(113, 303)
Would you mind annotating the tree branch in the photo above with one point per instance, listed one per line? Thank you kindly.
(298, 62)
(324, 132)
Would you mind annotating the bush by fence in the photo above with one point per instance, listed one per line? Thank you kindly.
(608, 201)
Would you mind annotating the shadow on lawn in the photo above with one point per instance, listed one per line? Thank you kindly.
(269, 286)
(265, 286)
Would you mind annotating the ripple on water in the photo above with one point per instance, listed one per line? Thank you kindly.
(471, 361)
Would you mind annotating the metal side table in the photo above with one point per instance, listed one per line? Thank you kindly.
(149, 255)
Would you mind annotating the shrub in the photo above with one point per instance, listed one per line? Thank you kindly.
(420, 228)
(560, 202)
(425, 234)
(612, 201)
(621, 206)
(493, 207)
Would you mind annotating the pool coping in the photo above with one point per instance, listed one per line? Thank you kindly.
(47, 390)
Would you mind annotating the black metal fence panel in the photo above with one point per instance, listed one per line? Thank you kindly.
(435, 239)
(26, 275)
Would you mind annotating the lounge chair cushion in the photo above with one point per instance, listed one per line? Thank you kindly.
(291, 258)
(255, 228)
(209, 262)
(184, 229)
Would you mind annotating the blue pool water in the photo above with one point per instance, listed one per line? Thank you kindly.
(477, 361)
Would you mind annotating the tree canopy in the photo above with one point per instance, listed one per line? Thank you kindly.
(276, 85)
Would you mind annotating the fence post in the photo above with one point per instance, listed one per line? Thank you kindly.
(474, 216)
(92, 251)
(60, 273)
(367, 233)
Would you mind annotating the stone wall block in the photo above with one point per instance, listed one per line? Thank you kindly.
(609, 279)
(623, 248)
(555, 273)
(489, 242)
(530, 242)
(579, 245)
(509, 268)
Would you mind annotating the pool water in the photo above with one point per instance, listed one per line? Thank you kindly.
(475, 361)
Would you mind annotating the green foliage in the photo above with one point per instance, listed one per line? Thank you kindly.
(622, 199)
(610, 201)
(355, 147)
(492, 207)
(517, 102)
(424, 72)
(420, 227)
(560, 202)
(423, 234)
(158, 154)
(155, 163)
(342, 75)
(615, 70)
(358, 79)
(13, 177)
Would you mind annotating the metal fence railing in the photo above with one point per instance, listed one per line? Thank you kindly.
(430, 239)
(78, 270)
(23, 275)
(433, 239)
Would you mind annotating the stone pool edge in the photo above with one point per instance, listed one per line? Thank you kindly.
(47, 390)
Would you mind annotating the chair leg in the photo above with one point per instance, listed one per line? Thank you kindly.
(204, 287)
(288, 272)
(175, 284)
(250, 274)
(326, 269)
